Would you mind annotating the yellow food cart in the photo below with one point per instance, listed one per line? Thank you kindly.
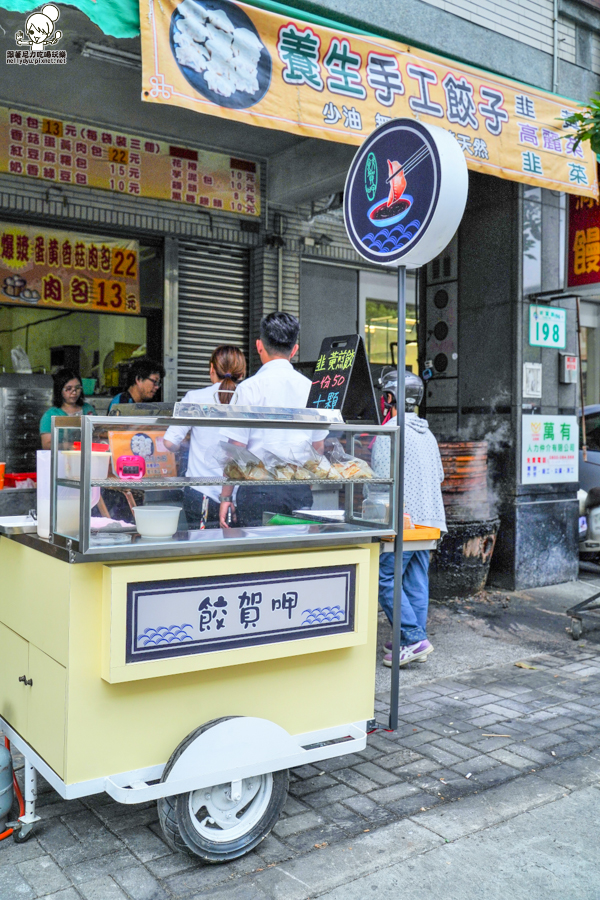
(192, 669)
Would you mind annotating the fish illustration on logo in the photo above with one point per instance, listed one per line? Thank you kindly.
(397, 205)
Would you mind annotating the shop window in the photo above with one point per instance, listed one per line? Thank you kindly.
(592, 431)
(590, 352)
(381, 319)
(544, 239)
(532, 240)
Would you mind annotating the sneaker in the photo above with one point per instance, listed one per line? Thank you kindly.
(412, 653)
(388, 647)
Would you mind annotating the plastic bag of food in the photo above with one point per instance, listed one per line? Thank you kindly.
(319, 466)
(301, 473)
(279, 468)
(239, 464)
(347, 466)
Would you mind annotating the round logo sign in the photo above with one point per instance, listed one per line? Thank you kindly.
(405, 193)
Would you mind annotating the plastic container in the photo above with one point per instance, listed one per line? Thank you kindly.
(376, 507)
(156, 521)
(98, 447)
(72, 463)
(43, 492)
(67, 511)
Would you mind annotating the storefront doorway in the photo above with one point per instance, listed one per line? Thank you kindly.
(378, 315)
(344, 300)
(590, 352)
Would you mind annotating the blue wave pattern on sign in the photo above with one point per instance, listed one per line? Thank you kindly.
(319, 615)
(390, 239)
(174, 634)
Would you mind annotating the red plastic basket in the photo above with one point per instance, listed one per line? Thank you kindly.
(11, 480)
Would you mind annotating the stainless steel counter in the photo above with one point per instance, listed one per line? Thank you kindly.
(211, 542)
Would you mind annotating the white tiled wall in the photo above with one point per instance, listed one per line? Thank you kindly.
(528, 21)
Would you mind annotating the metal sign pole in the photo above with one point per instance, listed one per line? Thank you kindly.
(399, 477)
(436, 200)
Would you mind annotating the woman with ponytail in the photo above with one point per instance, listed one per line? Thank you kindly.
(201, 502)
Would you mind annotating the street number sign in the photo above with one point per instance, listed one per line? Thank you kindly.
(547, 327)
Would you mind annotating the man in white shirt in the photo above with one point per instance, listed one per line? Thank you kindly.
(276, 383)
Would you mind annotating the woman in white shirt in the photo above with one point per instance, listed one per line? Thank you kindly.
(201, 503)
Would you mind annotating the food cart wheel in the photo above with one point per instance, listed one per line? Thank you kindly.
(214, 825)
(21, 835)
(576, 629)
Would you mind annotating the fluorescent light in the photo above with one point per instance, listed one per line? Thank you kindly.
(111, 55)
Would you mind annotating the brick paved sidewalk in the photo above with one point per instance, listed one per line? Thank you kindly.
(457, 738)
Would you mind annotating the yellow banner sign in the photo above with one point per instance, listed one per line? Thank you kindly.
(239, 62)
(66, 270)
(71, 153)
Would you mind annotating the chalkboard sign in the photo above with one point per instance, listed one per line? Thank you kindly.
(342, 380)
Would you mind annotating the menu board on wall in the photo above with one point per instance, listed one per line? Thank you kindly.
(64, 153)
(50, 269)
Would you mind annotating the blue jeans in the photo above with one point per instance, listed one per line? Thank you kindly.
(415, 593)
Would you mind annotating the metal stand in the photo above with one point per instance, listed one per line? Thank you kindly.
(576, 619)
(399, 476)
(28, 820)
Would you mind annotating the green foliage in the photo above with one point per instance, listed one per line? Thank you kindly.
(587, 123)
(378, 310)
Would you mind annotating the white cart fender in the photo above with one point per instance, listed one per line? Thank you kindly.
(239, 748)
(235, 748)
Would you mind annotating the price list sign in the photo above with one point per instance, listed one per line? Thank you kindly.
(67, 153)
(343, 361)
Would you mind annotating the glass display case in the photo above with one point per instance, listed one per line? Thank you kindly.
(122, 487)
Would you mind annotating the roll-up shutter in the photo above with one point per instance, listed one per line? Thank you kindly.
(214, 284)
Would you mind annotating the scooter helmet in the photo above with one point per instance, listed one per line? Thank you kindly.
(413, 388)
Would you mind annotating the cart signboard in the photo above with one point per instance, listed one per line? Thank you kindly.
(547, 327)
(550, 449)
(199, 615)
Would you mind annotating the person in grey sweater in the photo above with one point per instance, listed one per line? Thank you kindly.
(423, 475)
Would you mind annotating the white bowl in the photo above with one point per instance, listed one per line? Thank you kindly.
(156, 521)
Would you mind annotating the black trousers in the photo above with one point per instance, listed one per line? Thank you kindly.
(251, 502)
(192, 506)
